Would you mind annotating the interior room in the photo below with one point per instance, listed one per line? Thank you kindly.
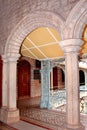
(43, 64)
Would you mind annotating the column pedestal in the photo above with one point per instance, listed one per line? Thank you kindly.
(72, 128)
(9, 116)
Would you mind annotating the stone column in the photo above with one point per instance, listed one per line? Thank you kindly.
(71, 48)
(52, 79)
(4, 82)
(86, 79)
(11, 113)
(45, 84)
(12, 75)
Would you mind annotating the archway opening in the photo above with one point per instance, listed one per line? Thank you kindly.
(58, 78)
(42, 44)
(81, 78)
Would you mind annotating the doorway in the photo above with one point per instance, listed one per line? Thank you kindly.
(23, 79)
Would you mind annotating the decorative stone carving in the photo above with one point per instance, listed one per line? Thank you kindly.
(45, 84)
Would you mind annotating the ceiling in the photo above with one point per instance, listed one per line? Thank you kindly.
(84, 37)
(42, 43)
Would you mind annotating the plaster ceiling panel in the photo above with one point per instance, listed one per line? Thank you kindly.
(84, 46)
(85, 34)
(52, 51)
(27, 43)
(27, 53)
(54, 34)
(38, 53)
(84, 49)
(42, 43)
(22, 48)
(41, 36)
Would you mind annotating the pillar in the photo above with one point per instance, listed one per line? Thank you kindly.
(10, 113)
(4, 82)
(71, 48)
(52, 79)
(45, 84)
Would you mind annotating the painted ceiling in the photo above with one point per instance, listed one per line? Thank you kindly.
(42, 43)
(84, 45)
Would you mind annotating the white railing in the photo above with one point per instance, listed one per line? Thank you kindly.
(57, 99)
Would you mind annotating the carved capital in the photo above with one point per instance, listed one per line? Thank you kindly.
(71, 45)
(12, 58)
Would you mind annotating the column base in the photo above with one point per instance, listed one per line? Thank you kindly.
(9, 116)
(72, 127)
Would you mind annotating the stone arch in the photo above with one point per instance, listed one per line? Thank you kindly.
(58, 77)
(28, 24)
(76, 21)
(31, 61)
(80, 25)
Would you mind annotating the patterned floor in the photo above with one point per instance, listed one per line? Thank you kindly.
(4, 126)
(51, 119)
(31, 112)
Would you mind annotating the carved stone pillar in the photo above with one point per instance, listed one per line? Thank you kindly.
(45, 84)
(10, 113)
(52, 79)
(71, 48)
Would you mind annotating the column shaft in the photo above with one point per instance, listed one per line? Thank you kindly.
(72, 85)
(4, 83)
(51, 79)
(45, 84)
(12, 85)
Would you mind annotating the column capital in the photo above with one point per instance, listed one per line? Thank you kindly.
(71, 45)
(4, 58)
(7, 58)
